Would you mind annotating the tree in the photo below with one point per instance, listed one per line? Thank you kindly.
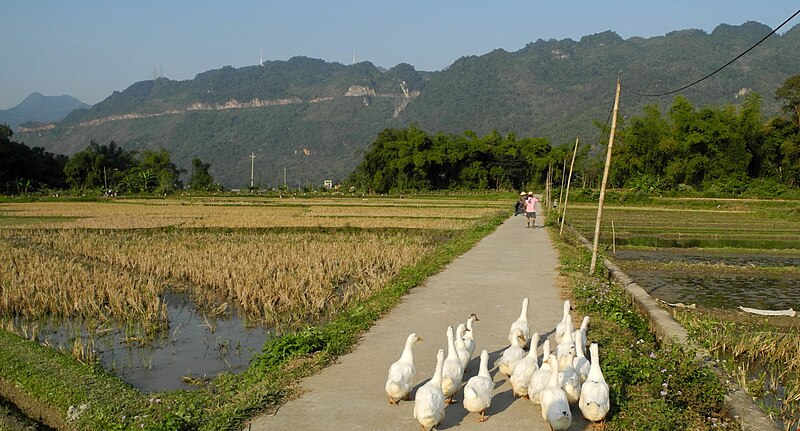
(24, 169)
(166, 172)
(789, 95)
(99, 166)
(201, 179)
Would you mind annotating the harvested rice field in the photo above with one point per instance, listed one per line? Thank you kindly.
(168, 293)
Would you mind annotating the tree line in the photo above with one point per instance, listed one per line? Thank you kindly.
(412, 159)
(723, 149)
(104, 168)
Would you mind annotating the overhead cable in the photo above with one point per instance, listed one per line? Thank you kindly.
(723, 66)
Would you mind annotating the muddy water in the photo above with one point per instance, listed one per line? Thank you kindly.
(697, 256)
(716, 287)
(721, 290)
(193, 346)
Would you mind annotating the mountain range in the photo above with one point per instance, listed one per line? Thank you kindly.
(307, 120)
(39, 108)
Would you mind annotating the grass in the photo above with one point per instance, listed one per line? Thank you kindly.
(652, 386)
(763, 357)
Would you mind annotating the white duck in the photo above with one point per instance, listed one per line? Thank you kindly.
(452, 372)
(522, 324)
(581, 364)
(570, 380)
(555, 407)
(512, 354)
(584, 330)
(562, 325)
(478, 391)
(469, 336)
(521, 377)
(461, 348)
(401, 373)
(429, 400)
(594, 401)
(540, 377)
(565, 347)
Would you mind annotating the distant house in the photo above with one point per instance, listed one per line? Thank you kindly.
(328, 184)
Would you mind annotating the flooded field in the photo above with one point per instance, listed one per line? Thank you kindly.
(720, 290)
(719, 255)
(715, 253)
(700, 256)
(194, 347)
(765, 279)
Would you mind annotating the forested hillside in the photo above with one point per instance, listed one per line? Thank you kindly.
(316, 119)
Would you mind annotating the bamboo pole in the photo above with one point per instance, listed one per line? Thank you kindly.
(613, 239)
(605, 180)
(569, 179)
(549, 183)
(561, 189)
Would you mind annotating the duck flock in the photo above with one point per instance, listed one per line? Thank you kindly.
(564, 376)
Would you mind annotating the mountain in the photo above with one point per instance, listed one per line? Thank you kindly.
(314, 120)
(41, 109)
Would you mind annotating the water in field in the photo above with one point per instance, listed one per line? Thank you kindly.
(192, 350)
(717, 278)
(721, 290)
(711, 241)
(699, 256)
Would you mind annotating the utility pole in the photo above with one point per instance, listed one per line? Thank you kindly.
(561, 189)
(252, 178)
(284, 177)
(569, 179)
(605, 180)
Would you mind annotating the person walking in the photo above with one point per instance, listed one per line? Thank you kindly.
(530, 209)
(519, 207)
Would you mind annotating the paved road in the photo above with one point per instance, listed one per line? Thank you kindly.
(490, 280)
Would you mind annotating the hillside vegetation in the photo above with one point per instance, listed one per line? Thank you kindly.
(316, 119)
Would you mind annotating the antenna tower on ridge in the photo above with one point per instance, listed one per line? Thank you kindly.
(261, 62)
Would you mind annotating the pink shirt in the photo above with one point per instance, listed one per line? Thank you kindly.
(530, 204)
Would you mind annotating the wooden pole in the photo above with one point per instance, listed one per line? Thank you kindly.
(549, 183)
(605, 180)
(613, 239)
(569, 179)
(561, 189)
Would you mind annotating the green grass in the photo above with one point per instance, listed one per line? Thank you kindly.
(653, 386)
(667, 222)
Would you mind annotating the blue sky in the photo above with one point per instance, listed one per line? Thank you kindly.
(88, 49)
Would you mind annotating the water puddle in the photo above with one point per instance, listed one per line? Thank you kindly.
(193, 349)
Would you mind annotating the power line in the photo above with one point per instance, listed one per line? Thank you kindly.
(723, 66)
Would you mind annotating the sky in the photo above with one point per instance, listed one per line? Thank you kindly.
(90, 48)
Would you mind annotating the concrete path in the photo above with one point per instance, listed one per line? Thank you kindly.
(490, 280)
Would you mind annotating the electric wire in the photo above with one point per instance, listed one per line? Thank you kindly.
(723, 66)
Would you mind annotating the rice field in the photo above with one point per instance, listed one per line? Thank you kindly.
(249, 213)
(75, 271)
(719, 254)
